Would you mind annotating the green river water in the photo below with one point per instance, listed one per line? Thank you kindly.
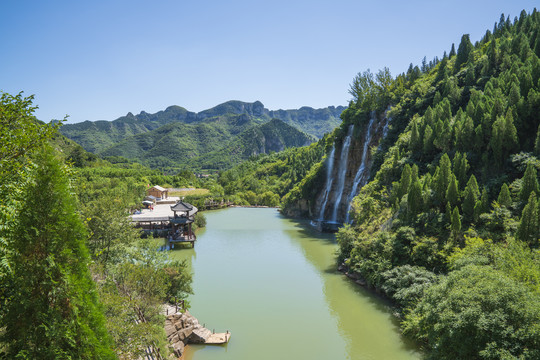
(273, 283)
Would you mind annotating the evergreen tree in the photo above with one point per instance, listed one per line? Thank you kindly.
(529, 183)
(528, 226)
(460, 167)
(428, 139)
(443, 177)
(484, 199)
(464, 49)
(504, 198)
(452, 192)
(452, 51)
(416, 142)
(470, 198)
(53, 311)
(537, 141)
(456, 223)
(405, 181)
(414, 199)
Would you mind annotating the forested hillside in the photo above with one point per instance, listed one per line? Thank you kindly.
(97, 136)
(214, 143)
(448, 227)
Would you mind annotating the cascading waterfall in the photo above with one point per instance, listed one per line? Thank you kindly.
(341, 172)
(360, 174)
(329, 181)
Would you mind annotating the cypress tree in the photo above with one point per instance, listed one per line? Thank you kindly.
(528, 226)
(529, 183)
(504, 198)
(428, 139)
(464, 49)
(452, 192)
(53, 311)
(414, 199)
(470, 197)
(415, 141)
(405, 181)
(443, 177)
(537, 140)
(456, 223)
(452, 51)
(484, 199)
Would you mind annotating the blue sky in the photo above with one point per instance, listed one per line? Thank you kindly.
(98, 59)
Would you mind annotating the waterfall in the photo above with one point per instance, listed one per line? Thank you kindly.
(360, 174)
(341, 172)
(329, 181)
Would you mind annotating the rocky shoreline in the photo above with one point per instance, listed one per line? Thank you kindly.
(183, 329)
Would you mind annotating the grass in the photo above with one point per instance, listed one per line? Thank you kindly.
(190, 192)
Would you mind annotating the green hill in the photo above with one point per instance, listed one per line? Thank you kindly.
(96, 136)
(212, 143)
(273, 136)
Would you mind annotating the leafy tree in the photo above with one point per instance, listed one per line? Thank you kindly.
(52, 311)
(477, 312)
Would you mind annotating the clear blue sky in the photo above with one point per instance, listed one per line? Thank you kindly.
(101, 59)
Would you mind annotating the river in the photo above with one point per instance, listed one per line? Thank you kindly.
(272, 282)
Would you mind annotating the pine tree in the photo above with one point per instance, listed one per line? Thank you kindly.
(528, 226)
(484, 199)
(464, 49)
(537, 141)
(460, 167)
(414, 199)
(53, 311)
(452, 51)
(504, 198)
(470, 198)
(443, 178)
(456, 223)
(452, 192)
(428, 140)
(405, 181)
(529, 183)
(415, 141)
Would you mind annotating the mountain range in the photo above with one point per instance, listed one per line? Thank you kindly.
(211, 139)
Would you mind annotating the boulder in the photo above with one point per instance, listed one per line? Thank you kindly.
(199, 336)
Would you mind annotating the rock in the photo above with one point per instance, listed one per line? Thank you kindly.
(174, 339)
(199, 336)
(170, 329)
(178, 348)
(185, 333)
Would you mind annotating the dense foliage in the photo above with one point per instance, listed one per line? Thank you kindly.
(265, 179)
(49, 307)
(459, 165)
(64, 230)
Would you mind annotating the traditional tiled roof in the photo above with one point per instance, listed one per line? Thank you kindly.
(181, 206)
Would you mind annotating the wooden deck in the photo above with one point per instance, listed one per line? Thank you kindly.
(182, 239)
(218, 338)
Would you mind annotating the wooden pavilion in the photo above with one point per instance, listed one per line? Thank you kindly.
(184, 216)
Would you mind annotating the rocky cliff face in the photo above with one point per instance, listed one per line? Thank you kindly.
(347, 169)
